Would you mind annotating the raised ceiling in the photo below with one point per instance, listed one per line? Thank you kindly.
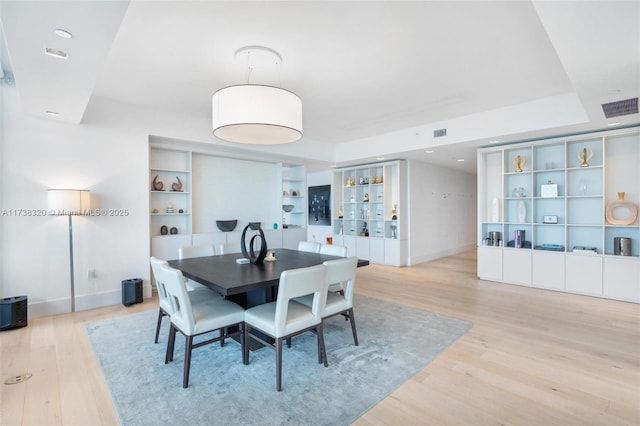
(376, 78)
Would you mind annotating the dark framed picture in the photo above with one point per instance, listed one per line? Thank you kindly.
(320, 205)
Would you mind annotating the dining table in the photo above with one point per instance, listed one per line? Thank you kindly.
(248, 284)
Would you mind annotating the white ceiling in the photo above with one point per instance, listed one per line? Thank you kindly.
(376, 78)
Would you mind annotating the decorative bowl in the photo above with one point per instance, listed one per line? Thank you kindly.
(287, 207)
(226, 225)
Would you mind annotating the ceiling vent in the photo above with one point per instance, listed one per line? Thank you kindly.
(439, 133)
(618, 108)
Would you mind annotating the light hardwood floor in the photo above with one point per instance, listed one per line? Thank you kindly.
(533, 357)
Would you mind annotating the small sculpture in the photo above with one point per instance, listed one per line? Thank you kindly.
(519, 163)
(164, 230)
(173, 230)
(340, 213)
(177, 186)
(157, 185)
(585, 156)
(394, 212)
(366, 198)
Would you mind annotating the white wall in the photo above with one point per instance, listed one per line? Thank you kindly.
(442, 212)
(110, 161)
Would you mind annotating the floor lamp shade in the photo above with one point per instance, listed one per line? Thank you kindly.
(257, 114)
(69, 201)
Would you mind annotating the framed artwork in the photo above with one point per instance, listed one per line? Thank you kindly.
(320, 205)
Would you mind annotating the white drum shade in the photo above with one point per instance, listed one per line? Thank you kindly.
(256, 114)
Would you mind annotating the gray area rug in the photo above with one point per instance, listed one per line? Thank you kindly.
(395, 343)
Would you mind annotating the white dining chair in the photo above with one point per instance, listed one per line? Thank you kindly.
(334, 250)
(310, 246)
(282, 319)
(195, 319)
(200, 295)
(341, 271)
(187, 252)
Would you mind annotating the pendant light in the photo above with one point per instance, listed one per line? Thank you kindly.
(255, 113)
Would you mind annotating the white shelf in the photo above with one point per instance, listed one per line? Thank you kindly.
(583, 193)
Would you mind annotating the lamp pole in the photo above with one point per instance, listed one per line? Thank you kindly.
(73, 289)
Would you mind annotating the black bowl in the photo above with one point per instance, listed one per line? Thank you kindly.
(226, 225)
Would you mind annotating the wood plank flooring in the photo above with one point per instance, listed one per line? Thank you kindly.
(533, 357)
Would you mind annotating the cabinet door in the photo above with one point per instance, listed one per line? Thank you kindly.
(490, 263)
(376, 250)
(362, 248)
(584, 273)
(548, 270)
(622, 278)
(517, 266)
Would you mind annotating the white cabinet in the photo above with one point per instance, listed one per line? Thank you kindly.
(555, 193)
(369, 205)
(516, 267)
(621, 278)
(584, 274)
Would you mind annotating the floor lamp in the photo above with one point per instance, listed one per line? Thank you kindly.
(69, 202)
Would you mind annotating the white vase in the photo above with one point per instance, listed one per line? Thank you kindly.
(522, 212)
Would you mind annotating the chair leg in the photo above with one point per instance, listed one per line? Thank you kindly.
(188, 346)
(279, 364)
(323, 353)
(245, 344)
(223, 331)
(160, 315)
(170, 344)
(353, 326)
(288, 342)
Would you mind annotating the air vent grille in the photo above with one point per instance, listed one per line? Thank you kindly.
(439, 133)
(618, 108)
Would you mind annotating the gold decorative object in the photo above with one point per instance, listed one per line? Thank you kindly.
(519, 162)
(621, 204)
(584, 156)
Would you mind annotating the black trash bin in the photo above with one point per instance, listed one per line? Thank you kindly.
(131, 291)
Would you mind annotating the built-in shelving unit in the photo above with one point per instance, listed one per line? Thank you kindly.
(556, 191)
(369, 211)
(294, 191)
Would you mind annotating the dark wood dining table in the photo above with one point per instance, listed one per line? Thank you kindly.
(246, 283)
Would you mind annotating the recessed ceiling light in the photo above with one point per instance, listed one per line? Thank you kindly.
(62, 33)
(55, 53)
(52, 112)
(429, 151)
(460, 160)
(613, 124)
(494, 141)
(380, 158)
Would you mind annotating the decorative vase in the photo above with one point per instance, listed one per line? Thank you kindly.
(620, 204)
(164, 230)
(522, 212)
(173, 230)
